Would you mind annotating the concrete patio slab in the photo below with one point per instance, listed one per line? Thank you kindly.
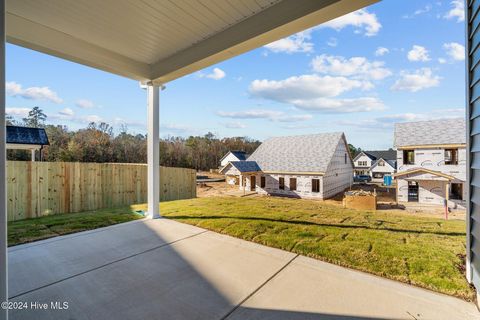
(161, 269)
(312, 289)
(201, 277)
(40, 263)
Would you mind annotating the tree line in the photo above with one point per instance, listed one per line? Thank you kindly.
(98, 143)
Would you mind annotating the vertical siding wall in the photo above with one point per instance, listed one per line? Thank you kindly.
(473, 141)
(40, 188)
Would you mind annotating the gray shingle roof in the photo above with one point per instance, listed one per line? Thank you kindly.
(445, 131)
(307, 153)
(26, 135)
(245, 166)
(384, 154)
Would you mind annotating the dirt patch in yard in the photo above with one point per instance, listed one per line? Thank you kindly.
(221, 189)
(385, 199)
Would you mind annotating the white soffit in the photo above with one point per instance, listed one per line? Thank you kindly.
(161, 40)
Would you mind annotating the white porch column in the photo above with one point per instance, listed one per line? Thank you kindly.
(153, 150)
(3, 185)
(33, 154)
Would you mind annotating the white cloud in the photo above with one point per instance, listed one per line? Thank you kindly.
(167, 129)
(420, 79)
(387, 121)
(455, 50)
(298, 42)
(423, 10)
(13, 88)
(418, 53)
(216, 74)
(303, 87)
(442, 60)
(420, 11)
(355, 67)
(332, 42)
(87, 119)
(265, 114)
(32, 93)
(18, 112)
(67, 112)
(294, 118)
(84, 104)
(381, 51)
(315, 93)
(457, 11)
(250, 114)
(130, 123)
(328, 105)
(235, 125)
(363, 22)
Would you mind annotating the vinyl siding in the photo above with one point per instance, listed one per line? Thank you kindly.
(473, 141)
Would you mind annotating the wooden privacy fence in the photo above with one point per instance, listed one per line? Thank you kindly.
(36, 189)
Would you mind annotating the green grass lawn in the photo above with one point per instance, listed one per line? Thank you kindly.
(419, 250)
(29, 230)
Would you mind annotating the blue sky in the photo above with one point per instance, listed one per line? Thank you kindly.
(393, 61)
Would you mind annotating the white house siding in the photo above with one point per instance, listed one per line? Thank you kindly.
(227, 159)
(386, 169)
(304, 186)
(362, 169)
(339, 174)
(434, 159)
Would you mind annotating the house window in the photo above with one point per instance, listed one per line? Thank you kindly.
(451, 156)
(381, 163)
(315, 185)
(378, 175)
(362, 163)
(262, 182)
(281, 183)
(293, 184)
(345, 158)
(456, 191)
(408, 157)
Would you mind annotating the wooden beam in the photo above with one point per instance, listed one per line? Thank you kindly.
(433, 146)
(35, 36)
(278, 21)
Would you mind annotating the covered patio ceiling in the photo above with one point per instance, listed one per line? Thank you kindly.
(160, 41)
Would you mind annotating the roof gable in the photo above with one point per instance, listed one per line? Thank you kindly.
(306, 153)
(384, 154)
(434, 132)
(390, 163)
(240, 155)
(26, 135)
(366, 154)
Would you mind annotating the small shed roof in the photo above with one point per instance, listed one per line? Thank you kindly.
(242, 166)
(305, 153)
(433, 132)
(26, 135)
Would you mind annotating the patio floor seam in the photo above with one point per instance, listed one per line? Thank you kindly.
(259, 287)
(108, 264)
